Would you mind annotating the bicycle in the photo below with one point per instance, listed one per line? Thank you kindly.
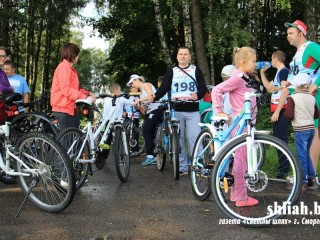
(22, 123)
(167, 137)
(87, 145)
(42, 167)
(34, 121)
(135, 137)
(260, 175)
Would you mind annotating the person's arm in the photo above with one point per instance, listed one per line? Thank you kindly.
(63, 75)
(289, 112)
(316, 112)
(25, 100)
(314, 50)
(201, 84)
(217, 92)
(268, 85)
(148, 89)
(283, 76)
(165, 85)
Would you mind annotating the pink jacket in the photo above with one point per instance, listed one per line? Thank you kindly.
(65, 89)
(236, 87)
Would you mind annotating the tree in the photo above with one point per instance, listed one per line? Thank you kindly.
(161, 33)
(202, 59)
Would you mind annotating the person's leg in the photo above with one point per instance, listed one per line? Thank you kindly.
(315, 149)
(192, 129)
(136, 136)
(64, 120)
(310, 169)
(149, 127)
(183, 161)
(301, 141)
(280, 130)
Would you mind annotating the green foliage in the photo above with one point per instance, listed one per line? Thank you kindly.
(137, 47)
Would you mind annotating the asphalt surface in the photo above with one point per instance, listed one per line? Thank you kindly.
(151, 205)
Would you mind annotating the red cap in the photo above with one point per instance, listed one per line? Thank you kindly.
(298, 24)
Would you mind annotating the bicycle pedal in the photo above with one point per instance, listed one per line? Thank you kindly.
(104, 146)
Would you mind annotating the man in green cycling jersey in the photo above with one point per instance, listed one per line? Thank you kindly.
(306, 60)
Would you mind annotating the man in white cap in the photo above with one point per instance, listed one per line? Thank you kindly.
(306, 60)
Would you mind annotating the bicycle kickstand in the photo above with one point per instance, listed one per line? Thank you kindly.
(32, 185)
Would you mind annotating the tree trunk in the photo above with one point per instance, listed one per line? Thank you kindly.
(187, 28)
(312, 19)
(161, 34)
(211, 55)
(202, 61)
(5, 25)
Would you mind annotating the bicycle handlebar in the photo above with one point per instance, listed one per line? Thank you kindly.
(126, 95)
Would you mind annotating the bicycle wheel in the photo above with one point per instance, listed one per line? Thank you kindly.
(202, 164)
(160, 152)
(122, 159)
(136, 142)
(72, 140)
(175, 152)
(51, 183)
(263, 186)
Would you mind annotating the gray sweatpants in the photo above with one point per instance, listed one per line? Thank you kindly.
(189, 127)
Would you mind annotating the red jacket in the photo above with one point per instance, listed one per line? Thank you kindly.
(65, 89)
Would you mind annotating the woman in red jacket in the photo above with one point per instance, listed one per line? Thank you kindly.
(65, 88)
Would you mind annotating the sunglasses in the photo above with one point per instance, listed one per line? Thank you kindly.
(3, 56)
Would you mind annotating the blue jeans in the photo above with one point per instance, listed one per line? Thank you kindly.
(280, 130)
(303, 140)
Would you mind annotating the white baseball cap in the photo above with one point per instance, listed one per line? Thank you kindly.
(227, 70)
(300, 79)
(134, 77)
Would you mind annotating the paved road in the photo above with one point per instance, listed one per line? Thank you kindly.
(152, 205)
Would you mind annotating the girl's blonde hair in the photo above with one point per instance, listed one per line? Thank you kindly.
(240, 54)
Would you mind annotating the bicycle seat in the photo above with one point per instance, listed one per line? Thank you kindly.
(84, 102)
(13, 97)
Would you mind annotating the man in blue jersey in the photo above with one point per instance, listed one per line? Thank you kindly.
(18, 82)
(279, 96)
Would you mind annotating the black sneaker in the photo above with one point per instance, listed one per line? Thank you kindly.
(312, 183)
(181, 173)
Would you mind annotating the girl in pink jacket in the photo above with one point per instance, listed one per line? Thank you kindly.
(245, 61)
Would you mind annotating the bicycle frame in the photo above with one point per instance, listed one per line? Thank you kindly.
(108, 124)
(244, 119)
(5, 130)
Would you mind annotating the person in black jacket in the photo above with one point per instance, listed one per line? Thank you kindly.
(186, 82)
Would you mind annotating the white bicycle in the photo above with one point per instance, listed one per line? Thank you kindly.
(91, 143)
(43, 169)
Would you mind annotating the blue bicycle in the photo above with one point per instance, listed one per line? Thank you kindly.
(213, 169)
(167, 138)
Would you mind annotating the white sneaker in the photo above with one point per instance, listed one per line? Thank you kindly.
(63, 183)
(317, 180)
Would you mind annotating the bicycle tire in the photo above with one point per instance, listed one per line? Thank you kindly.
(7, 179)
(160, 153)
(122, 159)
(133, 143)
(73, 137)
(175, 152)
(56, 186)
(266, 188)
(201, 165)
